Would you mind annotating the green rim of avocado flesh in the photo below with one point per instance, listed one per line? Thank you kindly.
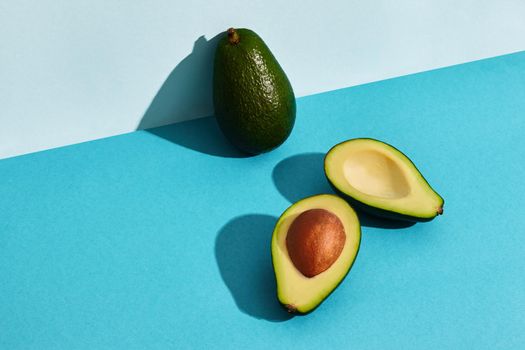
(379, 179)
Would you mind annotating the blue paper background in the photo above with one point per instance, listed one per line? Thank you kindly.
(75, 71)
(160, 239)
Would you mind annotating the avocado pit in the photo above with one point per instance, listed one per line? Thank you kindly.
(315, 240)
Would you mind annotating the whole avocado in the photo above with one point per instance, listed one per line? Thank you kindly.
(253, 99)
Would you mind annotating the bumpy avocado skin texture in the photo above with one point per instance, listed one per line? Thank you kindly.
(253, 99)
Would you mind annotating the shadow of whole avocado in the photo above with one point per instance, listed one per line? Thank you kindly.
(239, 81)
(186, 94)
(302, 175)
(242, 250)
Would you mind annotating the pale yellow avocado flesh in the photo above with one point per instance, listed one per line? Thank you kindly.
(380, 176)
(294, 290)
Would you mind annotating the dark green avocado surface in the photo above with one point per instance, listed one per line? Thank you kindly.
(378, 212)
(253, 99)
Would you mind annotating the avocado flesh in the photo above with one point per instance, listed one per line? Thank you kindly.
(253, 99)
(378, 178)
(302, 294)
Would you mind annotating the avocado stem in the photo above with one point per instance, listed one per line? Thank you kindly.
(440, 210)
(290, 308)
(233, 36)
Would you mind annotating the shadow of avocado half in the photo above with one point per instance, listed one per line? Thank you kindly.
(302, 176)
(242, 251)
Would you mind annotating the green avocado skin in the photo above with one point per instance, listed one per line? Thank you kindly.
(253, 99)
(298, 313)
(381, 213)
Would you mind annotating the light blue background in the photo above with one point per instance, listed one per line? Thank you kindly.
(72, 71)
(161, 239)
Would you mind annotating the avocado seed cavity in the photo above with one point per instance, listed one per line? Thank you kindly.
(315, 240)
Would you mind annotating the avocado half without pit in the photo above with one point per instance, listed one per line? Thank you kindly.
(314, 245)
(379, 179)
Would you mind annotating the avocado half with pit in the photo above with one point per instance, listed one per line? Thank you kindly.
(314, 245)
(379, 179)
